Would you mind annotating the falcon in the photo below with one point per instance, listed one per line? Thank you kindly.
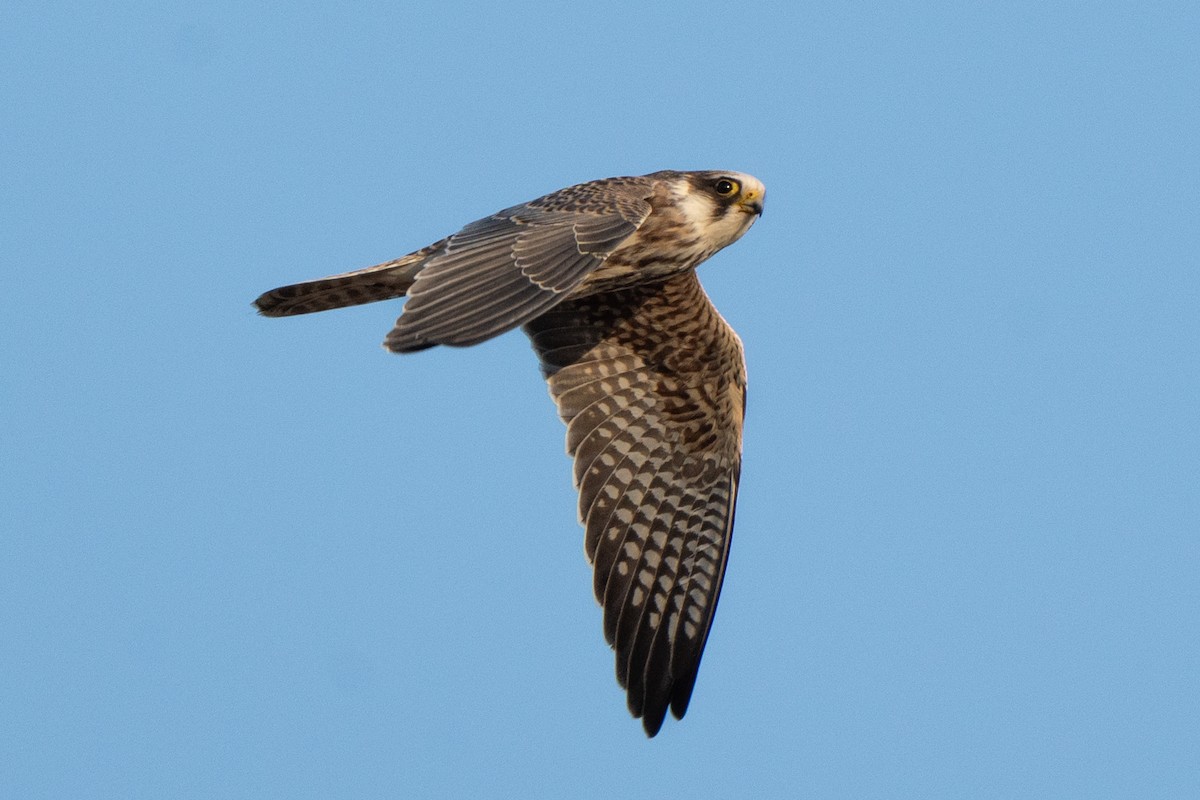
(648, 377)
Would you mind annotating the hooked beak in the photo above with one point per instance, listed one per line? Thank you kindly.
(753, 202)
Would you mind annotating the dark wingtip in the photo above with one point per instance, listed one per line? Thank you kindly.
(405, 344)
(652, 722)
(682, 695)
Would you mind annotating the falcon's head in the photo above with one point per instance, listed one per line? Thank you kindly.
(722, 205)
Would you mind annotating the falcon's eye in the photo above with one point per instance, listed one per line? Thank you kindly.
(726, 187)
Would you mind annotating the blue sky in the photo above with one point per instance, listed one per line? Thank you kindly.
(264, 558)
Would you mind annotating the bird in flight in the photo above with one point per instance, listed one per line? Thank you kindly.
(647, 375)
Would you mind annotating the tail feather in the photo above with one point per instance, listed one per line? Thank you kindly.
(381, 282)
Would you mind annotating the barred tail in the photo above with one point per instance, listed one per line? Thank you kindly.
(380, 282)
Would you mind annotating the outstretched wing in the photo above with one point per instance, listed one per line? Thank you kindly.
(491, 276)
(651, 383)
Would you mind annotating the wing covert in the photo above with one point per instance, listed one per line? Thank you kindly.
(506, 269)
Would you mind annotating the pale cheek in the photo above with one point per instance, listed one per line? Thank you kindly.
(695, 208)
(715, 233)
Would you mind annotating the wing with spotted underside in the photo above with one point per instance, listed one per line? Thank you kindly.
(651, 384)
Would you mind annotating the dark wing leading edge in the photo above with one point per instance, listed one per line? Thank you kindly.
(651, 384)
(491, 276)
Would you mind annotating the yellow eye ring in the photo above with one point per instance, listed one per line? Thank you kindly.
(726, 187)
